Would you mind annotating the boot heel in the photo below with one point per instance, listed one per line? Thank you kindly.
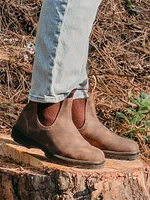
(20, 138)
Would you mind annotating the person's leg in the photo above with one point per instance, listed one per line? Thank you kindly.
(62, 49)
(59, 68)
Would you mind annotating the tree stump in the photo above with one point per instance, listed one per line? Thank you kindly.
(26, 174)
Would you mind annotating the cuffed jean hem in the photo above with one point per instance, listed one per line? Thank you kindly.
(83, 94)
(62, 49)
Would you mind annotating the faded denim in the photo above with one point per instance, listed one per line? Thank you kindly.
(62, 49)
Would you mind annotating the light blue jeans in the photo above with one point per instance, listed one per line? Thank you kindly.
(62, 49)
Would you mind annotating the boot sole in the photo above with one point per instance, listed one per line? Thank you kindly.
(121, 155)
(28, 142)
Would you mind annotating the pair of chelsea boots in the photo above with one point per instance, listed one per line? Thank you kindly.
(64, 143)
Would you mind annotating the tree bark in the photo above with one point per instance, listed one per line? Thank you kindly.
(27, 175)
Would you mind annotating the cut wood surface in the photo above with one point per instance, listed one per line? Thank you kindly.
(26, 174)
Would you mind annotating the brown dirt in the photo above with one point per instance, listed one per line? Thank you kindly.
(119, 60)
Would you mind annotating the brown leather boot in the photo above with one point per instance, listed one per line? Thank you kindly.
(61, 142)
(99, 136)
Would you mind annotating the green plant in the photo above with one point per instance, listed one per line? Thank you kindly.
(136, 116)
(131, 8)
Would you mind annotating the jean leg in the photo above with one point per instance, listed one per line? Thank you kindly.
(62, 49)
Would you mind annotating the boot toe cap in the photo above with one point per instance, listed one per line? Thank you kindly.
(95, 155)
(130, 146)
